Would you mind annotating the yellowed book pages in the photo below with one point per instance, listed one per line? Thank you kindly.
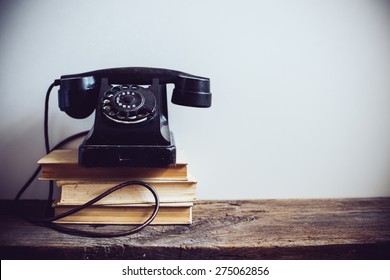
(63, 164)
(79, 192)
(180, 214)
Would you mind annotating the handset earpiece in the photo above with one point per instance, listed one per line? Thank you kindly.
(77, 96)
(192, 91)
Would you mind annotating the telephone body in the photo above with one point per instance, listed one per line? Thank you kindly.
(131, 120)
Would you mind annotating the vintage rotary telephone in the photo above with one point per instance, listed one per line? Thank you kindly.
(131, 126)
(131, 121)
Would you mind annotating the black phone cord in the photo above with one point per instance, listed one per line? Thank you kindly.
(48, 221)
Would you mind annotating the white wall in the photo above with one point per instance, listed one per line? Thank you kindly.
(301, 89)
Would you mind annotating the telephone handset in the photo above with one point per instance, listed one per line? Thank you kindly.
(131, 121)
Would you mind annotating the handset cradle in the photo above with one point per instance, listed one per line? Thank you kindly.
(131, 120)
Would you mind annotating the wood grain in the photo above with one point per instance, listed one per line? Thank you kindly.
(251, 229)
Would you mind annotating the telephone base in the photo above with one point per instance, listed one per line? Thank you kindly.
(126, 155)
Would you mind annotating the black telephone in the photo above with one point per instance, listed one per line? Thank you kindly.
(131, 120)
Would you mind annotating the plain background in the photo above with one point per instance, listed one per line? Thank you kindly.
(301, 89)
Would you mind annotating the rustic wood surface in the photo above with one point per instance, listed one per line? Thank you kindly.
(258, 229)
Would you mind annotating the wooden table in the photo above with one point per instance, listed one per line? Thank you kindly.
(251, 229)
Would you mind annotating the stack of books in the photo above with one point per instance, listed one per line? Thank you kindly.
(129, 205)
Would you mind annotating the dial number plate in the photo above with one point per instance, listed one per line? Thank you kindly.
(128, 104)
